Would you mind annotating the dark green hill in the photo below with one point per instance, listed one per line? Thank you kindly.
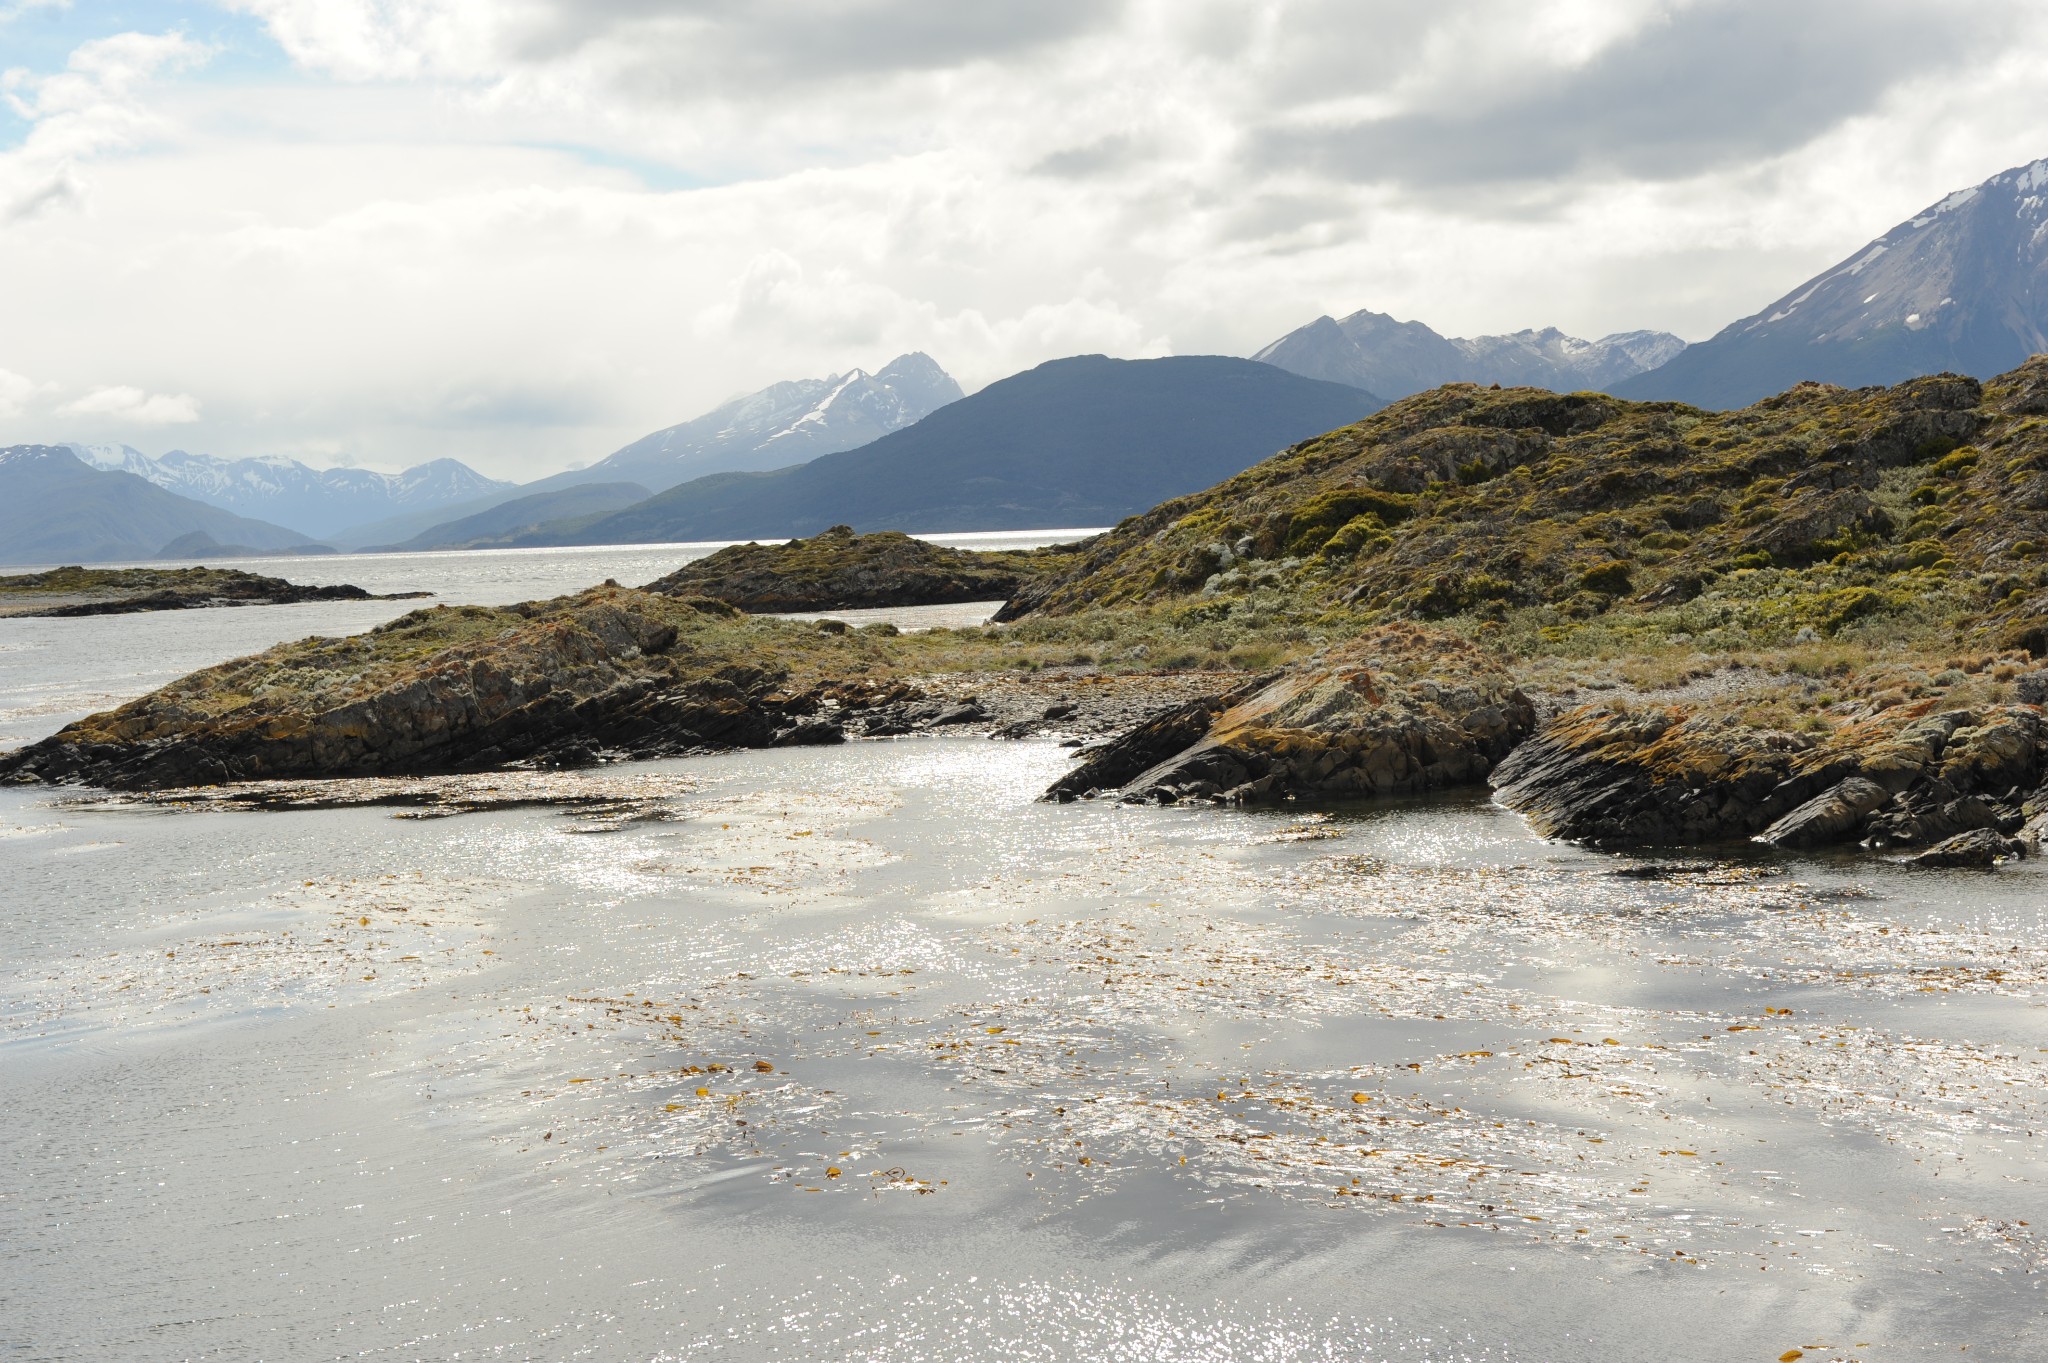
(506, 524)
(56, 508)
(1918, 511)
(1080, 441)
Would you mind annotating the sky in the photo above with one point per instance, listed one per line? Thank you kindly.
(522, 233)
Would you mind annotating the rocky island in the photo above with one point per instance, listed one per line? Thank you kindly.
(75, 591)
(840, 570)
(1817, 620)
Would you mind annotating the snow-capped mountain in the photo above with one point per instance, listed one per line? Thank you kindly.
(1962, 285)
(1392, 359)
(55, 508)
(287, 492)
(785, 423)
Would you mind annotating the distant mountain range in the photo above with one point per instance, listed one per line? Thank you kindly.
(55, 508)
(1371, 350)
(1081, 441)
(785, 423)
(316, 502)
(1962, 286)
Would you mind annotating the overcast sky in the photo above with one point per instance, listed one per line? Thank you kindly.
(523, 232)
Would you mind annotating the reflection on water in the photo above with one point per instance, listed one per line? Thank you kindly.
(862, 1053)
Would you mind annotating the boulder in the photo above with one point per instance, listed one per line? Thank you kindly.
(1402, 709)
(1979, 849)
(1828, 817)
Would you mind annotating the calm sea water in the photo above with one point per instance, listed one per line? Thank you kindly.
(861, 1053)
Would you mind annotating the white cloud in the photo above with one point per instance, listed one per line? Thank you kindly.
(15, 394)
(90, 108)
(455, 230)
(135, 407)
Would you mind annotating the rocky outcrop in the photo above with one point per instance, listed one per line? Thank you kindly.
(1979, 849)
(1828, 816)
(75, 591)
(1622, 776)
(840, 570)
(552, 683)
(1403, 709)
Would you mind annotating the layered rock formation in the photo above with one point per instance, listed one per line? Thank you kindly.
(1403, 709)
(1909, 777)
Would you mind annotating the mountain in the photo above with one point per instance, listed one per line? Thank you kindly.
(314, 501)
(508, 523)
(1371, 350)
(56, 508)
(1960, 287)
(1081, 441)
(785, 423)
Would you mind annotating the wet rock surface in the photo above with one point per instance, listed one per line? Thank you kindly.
(1630, 776)
(1979, 849)
(1403, 709)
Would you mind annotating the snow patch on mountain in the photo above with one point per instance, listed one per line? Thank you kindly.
(785, 423)
(284, 491)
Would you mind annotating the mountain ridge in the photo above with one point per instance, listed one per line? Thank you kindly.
(1084, 440)
(55, 507)
(1961, 286)
(1394, 359)
(284, 491)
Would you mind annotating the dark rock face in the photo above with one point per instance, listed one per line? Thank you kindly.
(1404, 709)
(840, 570)
(1614, 776)
(1979, 849)
(1829, 816)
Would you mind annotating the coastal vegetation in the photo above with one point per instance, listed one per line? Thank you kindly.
(1707, 621)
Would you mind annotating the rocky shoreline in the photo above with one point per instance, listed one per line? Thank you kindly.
(1814, 622)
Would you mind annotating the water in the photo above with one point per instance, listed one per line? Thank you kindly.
(1397, 1082)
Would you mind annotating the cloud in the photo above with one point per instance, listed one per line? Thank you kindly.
(15, 394)
(524, 232)
(90, 108)
(135, 407)
(1686, 89)
(679, 49)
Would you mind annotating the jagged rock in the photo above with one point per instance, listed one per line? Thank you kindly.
(2033, 834)
(1979, 849)
(1829, 816)
(1616, 776)
(809, 733)
(1110, 765)
(1404, 709)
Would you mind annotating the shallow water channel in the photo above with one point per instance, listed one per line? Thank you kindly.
(861, 1053)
